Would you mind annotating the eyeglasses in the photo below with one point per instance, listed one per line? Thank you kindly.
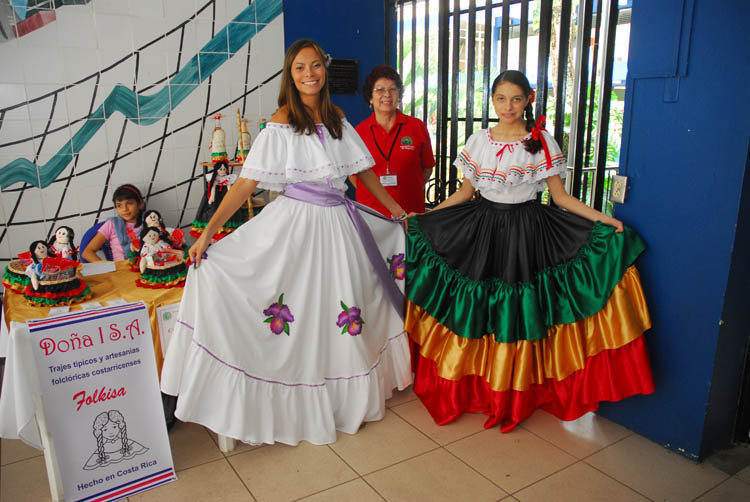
(383, 90)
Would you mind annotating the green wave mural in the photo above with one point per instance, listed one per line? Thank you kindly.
(146, 110)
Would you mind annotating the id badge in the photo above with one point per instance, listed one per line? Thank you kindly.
(389, 180)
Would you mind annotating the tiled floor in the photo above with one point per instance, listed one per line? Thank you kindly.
(407, 457)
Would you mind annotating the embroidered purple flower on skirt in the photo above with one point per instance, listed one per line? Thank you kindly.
(279, 316)
(350, 320)
(398, 268)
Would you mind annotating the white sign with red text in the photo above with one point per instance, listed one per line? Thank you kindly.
(102, 402)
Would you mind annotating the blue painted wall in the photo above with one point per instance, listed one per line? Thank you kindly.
(685, 148)
(351, 29)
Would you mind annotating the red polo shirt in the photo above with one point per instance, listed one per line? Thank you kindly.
(410, 149)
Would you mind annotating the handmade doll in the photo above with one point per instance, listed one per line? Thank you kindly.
(53, 280)
(218, 183)
(152, 218)
(161, 264)
(62, 244)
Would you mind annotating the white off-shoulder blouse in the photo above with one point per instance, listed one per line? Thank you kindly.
(280, 156)
(506, 172)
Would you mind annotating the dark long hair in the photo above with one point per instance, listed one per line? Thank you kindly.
(71, 240)
(129, 192)
(32, 247)
(215, 173)
(299, 118)
(519, 79)
(162, 235)
(144, 227)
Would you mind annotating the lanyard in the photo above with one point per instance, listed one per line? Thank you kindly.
(388, 158)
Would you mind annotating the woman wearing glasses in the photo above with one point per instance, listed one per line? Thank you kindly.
(399, 144)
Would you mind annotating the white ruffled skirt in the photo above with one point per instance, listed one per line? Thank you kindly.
(253, 365)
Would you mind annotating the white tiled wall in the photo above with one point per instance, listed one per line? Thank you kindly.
(71, 57)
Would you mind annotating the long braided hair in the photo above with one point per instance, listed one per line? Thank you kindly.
(519, 79)
(100, 421)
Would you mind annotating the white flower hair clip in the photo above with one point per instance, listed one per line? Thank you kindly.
(328, 60)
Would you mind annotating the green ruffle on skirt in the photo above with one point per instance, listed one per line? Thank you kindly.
(228, 224)
(13, 278)
(146, 276)
(562, 294)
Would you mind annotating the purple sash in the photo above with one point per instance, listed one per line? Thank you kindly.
(321, 195)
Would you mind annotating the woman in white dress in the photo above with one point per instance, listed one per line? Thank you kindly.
(291, 327)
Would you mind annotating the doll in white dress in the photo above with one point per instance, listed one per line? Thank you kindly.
(62, 244)
(156, 248)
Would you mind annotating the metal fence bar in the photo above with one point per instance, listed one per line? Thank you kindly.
(413, 54)
(453, 174)
(443, 52)
(487, 62)
(471, 36)
(401, 38)
(563, 57)
(426, 62)
(592, 92)
(524, 35)
(545, 32)
(505, 37)
(610, 14)
(578, 118)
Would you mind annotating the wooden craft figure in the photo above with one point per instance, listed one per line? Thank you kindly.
(243, 138)
(218, 142)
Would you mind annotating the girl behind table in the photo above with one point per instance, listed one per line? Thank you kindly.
(307, 338)
(129, 205)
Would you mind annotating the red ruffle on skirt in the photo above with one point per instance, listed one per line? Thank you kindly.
(610, 375)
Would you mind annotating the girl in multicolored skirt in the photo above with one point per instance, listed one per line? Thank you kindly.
(515, 305)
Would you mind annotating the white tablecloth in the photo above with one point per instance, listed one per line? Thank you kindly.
(20, 385)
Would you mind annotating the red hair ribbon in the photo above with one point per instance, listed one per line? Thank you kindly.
(132, 189)
(536, 135)
(531, 96)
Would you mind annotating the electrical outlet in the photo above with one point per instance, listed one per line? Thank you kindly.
(619, 186)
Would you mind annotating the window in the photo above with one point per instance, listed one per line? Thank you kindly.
(574, 53)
